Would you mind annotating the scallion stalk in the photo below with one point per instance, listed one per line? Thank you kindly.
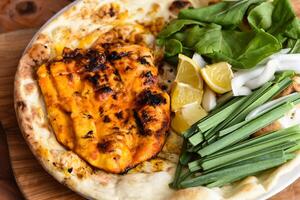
(246, 130)
(232, 173)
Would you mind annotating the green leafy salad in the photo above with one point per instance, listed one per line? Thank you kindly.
(242, 32)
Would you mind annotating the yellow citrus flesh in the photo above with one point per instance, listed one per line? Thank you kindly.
(193, 112)
(218, 77)
(183, 94)
(188, 72)
(187, 116)
(178, 123)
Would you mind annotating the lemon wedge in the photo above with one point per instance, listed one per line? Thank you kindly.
(218, 77)
(183, 94)
(188, 72)
(178, 123)
(193, 112)
(187, 116)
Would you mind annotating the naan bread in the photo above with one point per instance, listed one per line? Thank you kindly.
(81, 25)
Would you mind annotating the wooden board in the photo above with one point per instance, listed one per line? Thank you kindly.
(33, 181)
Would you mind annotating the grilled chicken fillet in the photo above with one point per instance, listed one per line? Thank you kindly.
(105, 105)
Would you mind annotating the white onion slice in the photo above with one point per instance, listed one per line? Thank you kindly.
(240, 78)
(266, 75)
(245, 81)
(289, 62)
(241, 91)
(209, 99)
(199, 60)
(266, 107)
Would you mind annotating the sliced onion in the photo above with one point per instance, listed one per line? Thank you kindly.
(242, 91)
(266, 75)
(209, 100)
(267, 106)
(199, 60)
(289, 62)
(239, 80)
(245, 81)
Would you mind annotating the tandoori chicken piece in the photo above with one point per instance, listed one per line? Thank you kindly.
(105, 104)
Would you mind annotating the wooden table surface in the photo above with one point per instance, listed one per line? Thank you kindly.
(20, 14)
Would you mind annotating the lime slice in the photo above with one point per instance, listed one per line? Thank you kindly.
(218, 77)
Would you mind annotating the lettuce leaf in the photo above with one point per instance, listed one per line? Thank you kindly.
(228, 14)
(261, 16)
(215, 31)
(247, 52)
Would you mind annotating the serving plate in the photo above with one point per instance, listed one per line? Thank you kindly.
(283, 181)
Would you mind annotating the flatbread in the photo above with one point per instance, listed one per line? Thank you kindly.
(79, 26)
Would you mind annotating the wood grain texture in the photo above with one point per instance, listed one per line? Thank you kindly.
(20, 14)
(8, 187)
(33, 181)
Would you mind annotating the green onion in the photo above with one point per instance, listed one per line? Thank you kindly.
(261, 99)
(185, 157)
(231, 173)
(256, 99)
(263, 138)
(290, 156)
(235, 177)
(221, 115)
(255, 169)
(282, 75)
(178, 168)
(271, 105)
(249, 99)
(285, 99)
(213, 120)
(264, 155)
(194, 129)
(224, 98)
(228, 157)
(217, 149)
(246, 130)
(232, 128)
(295, 148)
(191, 131)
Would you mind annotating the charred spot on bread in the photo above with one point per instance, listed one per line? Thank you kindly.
(177, 5)
(70, 170)
(21, 105)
